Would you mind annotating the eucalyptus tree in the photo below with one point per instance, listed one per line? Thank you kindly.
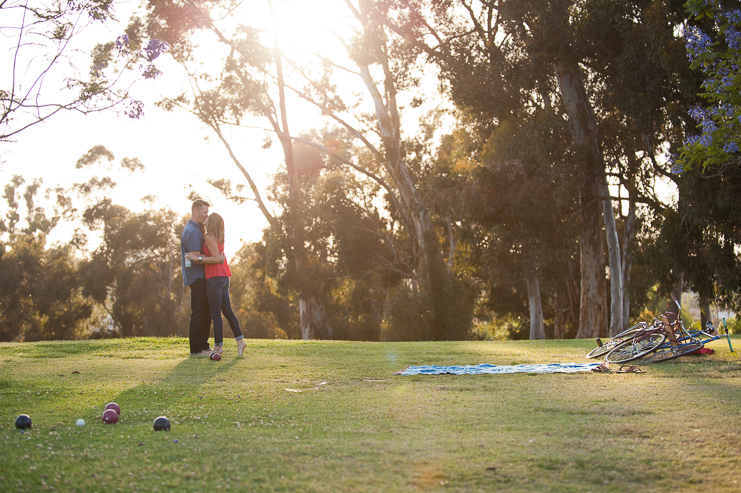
(511, 190)
(133, 275)
(702, 232)
(390, 73)
(355, 259)
(505, 57)
(501, 58)
(641, 86)
(254, 81)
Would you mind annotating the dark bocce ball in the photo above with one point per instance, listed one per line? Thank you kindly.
(23, 422)
(110, 416)
(162, 423)
(114, 406)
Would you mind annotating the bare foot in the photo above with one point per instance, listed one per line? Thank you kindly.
(205, 352)
(240, 347)
(218, 349)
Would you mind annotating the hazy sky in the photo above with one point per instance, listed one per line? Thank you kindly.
(177, 150)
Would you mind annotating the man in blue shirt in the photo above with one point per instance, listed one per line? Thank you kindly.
(194, 275)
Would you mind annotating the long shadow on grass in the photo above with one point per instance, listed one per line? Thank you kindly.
(706, 379)
(186, 384)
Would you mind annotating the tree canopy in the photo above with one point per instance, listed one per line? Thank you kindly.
(538, 205)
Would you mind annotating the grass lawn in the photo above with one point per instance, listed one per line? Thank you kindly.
(331, 416)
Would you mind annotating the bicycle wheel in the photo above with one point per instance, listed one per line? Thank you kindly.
(633, 349)
(603, 349)
(665, 354)
(610, 345)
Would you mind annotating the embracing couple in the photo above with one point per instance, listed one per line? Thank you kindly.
(207, 273)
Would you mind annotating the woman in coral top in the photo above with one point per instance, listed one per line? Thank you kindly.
(217, 286)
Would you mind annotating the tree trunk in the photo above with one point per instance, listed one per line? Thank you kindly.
(573, 292)
(388, 119)
(705, 316)
(310, 305)
(592, 313)
(627, 241)
(559, 319)
(537, 330)
(616, 270)
(677, 290)
(305, 316)
(314, 323)
(452, 242)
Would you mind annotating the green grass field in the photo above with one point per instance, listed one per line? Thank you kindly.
(331, 416)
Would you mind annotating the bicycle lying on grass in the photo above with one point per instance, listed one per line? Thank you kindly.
(665, 339)
(604, 348)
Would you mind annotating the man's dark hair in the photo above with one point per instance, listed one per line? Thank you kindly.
(199, 203)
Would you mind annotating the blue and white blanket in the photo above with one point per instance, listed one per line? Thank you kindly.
(496, 369)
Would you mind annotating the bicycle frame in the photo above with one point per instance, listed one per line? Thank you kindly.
(717, 335)
(695, 336)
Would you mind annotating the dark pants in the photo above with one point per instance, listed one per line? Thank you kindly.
(200, 318)
(218, 299)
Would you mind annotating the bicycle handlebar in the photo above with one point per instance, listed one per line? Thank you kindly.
(676, 301)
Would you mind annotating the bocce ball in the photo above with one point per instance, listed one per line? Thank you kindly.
(114, 406)
(110, 416)
(162, 423)
(23, 422)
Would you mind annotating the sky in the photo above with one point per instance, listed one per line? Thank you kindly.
(177, 150)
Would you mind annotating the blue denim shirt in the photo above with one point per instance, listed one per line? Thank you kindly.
(191, 241)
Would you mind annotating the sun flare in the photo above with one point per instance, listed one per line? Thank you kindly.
(305, 27)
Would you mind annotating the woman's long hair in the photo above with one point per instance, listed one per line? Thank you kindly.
(215, 227)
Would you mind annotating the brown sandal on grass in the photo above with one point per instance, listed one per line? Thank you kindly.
(630, 369)
(602, 368)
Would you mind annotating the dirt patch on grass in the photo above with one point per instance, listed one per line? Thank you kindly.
(427, 477)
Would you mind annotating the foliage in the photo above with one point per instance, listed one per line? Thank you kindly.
(426, 314)
(714, 48)
(509, 190)
(366, 213)
(500, 63)
(135, 273)
(40, 292)
(696, 240)
(734, 325)
(261, 313)
(352, 257)
(701, 238)
(45, 74)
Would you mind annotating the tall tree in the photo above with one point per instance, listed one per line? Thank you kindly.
(504, 55)
(694, 242)
(254, 82)
(500, 57)
(511, 194)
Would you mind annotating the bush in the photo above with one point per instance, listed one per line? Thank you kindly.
(261, 325)
(441, 313)
(734, 325)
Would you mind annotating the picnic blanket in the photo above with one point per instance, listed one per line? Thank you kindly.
(497, 369)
